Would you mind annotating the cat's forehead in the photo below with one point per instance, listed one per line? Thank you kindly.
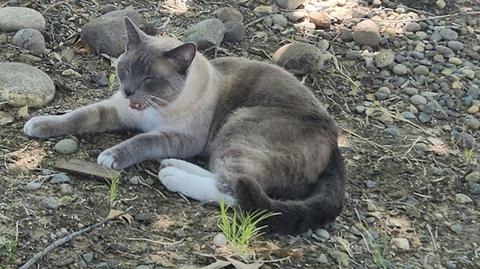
(141, 56)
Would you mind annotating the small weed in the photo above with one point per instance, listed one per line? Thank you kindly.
(376, 249)
(468, 155)
(112, 81)
(8, 248)
(113, 190)
(241, 228)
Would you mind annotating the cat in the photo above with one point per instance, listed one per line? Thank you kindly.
(270, 142)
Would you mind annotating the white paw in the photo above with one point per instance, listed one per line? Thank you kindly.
(41, 127)
(107, 158)
(171, 178)
(28, 127)
(186, 167)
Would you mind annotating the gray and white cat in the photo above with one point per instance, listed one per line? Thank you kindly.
(271, 144)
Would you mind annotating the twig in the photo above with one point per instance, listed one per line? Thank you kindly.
(66, 239)
(365, 139)
(433, 17)
(155, 241)
(254, 22)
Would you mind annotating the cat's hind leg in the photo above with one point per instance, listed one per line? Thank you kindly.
(202, 188)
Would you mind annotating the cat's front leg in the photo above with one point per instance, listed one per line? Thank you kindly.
(97, 117)
(149, 146)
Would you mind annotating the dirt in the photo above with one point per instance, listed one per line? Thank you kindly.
(414, 196)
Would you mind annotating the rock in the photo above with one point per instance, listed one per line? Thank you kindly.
(322, 234)
(321, 19)
(145, 218)
(87, 257)
(448, 34)
(445, 51)
(299, 58)
(340, 257)
(60, 178)
(474, 188)
(424, 117)
(179, 233)
(376, 3)
(382, 93)
(65, 189)
(421, 70)
(135, 180)
(408, 115)
(413, 27)
(420, 147)
(16, 18)
(400, 243)
(280, 20)
(384, 58)
(367, 33)
(262, 11)
(472, 123)
(220, 240)
(66, 146)
(296, 15)
(107, 8)
(371, 184)
(441, 4)
(5, 118)
(421, 35)
(323, 44)
(465, 140)
(23, 112)
(106, 34)
(462, 198)
(22, 84)
(322, 259)
(33, 186)
(418, 99)
(473, 109)
(290, 4)
(393, 131)
(52, 202)
(455, 61)
(455, 45)
(400, 69)
(450, 264)
(229, 14)
(30, 39)
(346, 35)
(473, 177)
(206, 34)
(234, 32)
(457, 228)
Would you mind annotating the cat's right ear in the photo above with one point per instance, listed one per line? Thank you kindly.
(134, 34)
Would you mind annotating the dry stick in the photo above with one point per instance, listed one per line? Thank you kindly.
(433, 17)
(254, 22)
(64, 240)
(365, 139)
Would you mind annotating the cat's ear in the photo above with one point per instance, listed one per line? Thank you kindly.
(134, 34)
(182, 55)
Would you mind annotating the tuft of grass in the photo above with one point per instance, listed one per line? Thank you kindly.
(113, 189)
(468, 155)
(241, 228)
(112, 81)
(8, 249)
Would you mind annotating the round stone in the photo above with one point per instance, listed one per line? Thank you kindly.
(320, 18)
(206, 34)
(384, 58)
(66, 146)
(367, 33)
(421, 70)
(455, 45)
(30, 39)
(299, 58)
(229, 14)
(418, 100)
(33, 186)
(234, 32)
(472, 123)
(400, 69)
(448, 34)
(16, 18)
(280, 20)
(290, 4)
(22, 84)
(220, 240)
(413, 27)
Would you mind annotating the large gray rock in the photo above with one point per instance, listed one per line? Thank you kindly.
(30, 39)
(290, 4)
(367, 32)
(206, 34)
(107, 34)
(229, 14)
(234, 32)
(16, 18)
(300, 58)
(22, 84)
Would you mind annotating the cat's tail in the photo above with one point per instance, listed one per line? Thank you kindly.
(320, 208)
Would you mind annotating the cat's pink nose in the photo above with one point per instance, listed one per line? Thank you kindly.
(137, 105)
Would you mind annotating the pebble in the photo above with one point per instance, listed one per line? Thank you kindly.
(448, 34)
(424, 117)
(24, 85)
(296, 15)
(65, 189)
(410, 90)
(401, 243)
(382, 93)
(450, 264)
(421, 35)
(393, 131)
(418, 100)
(367, 33)
(408, 115)
(441, 4)
(106, 34)
(299, 58)
(262, 11)
(280, 20)
(457, 228)
(290, 4)
(322, 234)
(52, 202)
(179, 233)
(229, 14)
(421, 70)
(473, 176)
(220, 240)
(473, 109)
(323, 44)
(445, 51)
(472, 123)
(371, 184)
(341, 258)
(145, 218)
(413, 27)
(474, 188)
(66, 146)
(321, 19)
(455, 61)
(33, 186)
(420, 147)
(60, 178)
(30, 39)
(87, 257)
(400, 69)
(465, 140)
(5, 118)
(234, 32)
(135, 180)
(206, 34)
(455, 45)
(16, 18)
(322, 259)
(384, 58)
(462, 198)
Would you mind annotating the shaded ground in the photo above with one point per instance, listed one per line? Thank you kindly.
(412, 195)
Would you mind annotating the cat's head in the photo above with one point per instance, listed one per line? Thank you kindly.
(153, 70)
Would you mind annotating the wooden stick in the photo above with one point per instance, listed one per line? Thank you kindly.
(64, 240)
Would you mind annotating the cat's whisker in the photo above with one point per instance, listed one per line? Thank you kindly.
(157, 98)
(154, 105)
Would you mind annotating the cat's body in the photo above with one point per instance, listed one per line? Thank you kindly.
(271, 144)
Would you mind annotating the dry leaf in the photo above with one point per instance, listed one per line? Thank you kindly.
(117, 214)
(162, 222)
(81, 47)
(26, 159)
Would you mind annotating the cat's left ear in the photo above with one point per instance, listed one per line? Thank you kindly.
(134, 34)
(182, 55)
